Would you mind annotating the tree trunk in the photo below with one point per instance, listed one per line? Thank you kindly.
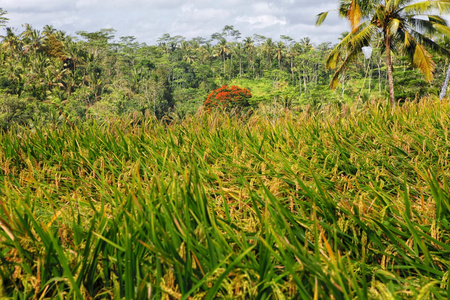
(240, 66)
(300, 81)
(444, 87)
(389, 68)
(224, 66)
(304, 80)
(292, 69)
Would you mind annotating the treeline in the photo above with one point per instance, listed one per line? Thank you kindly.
(47, 75)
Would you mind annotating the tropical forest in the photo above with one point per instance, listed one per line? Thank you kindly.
(228, 166)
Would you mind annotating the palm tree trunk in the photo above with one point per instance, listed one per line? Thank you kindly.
(292, 69)
(240, 66)
(224, 66)
(304, 79)
(444, 87)
(389, 69)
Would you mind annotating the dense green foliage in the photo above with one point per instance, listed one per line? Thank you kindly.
(402, 27)
(46, 75)
(214, 207)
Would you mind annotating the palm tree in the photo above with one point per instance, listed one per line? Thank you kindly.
(189, 56)
(267, 49)
(249, 49)
(237, 50)
(280, 52)
(3, 19)
(187, 52)
(48, 30)
(12, 44)
(223, 50)
(406, 28)
(207, 53)
(305, 44)
(32, 39)
(292, 53)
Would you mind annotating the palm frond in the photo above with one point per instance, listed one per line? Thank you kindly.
(354, 15)
(334, 55)
(421, 25)
(332, 60)
(422, 59)
(350, 57)
(424, 7)
(344, 7)
(444, 30)
(364, 36)
(368, 7)
(437, 19)
(401, 3)
(407, 43)
(443, 6)
(393, 26)
(408, 40)
(397, 42)
(320, 18)
(429, 43)
(379, 16)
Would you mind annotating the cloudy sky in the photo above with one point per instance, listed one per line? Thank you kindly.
(147, 20)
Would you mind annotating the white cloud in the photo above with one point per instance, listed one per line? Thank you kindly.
(262, 21)
(194, 14)
(264, 8)
(148, 20)
(128, 5)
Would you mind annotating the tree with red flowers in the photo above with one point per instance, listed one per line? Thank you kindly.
(226, 98)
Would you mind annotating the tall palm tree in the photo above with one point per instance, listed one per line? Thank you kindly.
(207, 53)
(292, 53)
(267, 49)
(250, 50)
(280, 52)
(406, 28)
(305, 44)
(237, 50)
(223, 50)
(12, 44)
(48, 30)
(32, 39)
(187, 52)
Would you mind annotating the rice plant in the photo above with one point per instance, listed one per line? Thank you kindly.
(325, 205)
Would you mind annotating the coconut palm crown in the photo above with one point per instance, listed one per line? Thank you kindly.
(405, 27)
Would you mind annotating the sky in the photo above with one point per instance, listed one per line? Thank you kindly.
(148, 20)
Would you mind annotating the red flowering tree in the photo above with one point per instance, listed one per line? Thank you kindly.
(227, 98)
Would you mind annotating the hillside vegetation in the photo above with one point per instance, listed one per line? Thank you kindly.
(334, 204)
(49, 76)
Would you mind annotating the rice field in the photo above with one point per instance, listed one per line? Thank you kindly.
(340, 204)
